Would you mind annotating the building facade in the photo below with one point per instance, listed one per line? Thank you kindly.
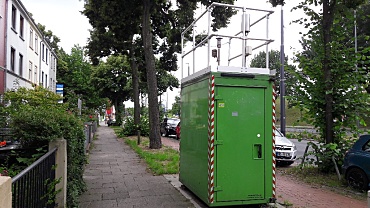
(26, 58)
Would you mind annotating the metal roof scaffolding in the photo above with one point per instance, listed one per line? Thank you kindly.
(241, 38)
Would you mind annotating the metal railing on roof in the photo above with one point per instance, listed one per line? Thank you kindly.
(243, 36)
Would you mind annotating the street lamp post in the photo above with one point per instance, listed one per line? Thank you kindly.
(357, 120)
(282, 77)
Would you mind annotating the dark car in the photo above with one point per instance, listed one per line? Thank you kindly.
(356, 164)
(168, 126)
(178, 129)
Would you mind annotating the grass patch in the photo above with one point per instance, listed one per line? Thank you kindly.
(312, 176)
(159, 161)
(286, 203)
(292, 115)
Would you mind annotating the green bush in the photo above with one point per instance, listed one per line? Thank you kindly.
(37, 121)
(129, 128)
(325, 152)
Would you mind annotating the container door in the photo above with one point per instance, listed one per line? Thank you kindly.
(240, 142)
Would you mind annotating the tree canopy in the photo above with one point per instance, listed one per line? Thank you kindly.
(325, 78)
(159, 24)
(259, 61)
(75, 73)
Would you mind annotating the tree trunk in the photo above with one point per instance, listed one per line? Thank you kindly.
(328, 11)
(135, 86)
(154, 134)
(118, 114)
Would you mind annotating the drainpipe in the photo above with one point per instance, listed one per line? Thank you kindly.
(5, 43)
(40, 55)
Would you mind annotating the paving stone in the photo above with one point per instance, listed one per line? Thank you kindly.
(116, 195)
(117, 178)
(91, 197)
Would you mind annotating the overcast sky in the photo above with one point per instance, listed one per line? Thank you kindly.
(64, 19)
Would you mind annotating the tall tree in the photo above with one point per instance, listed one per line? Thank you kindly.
(158, 20)
(259, 61)
(73, 70)
(112, 78)
(323, 36)
(51, 38)
(155, 13)
(176, 107)
(111, 35)
(363, 32)
(75, 75)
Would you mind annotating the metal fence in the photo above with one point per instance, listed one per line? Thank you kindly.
(89, 130)
(30, 187)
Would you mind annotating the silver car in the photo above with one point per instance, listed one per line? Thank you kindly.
(286, 151)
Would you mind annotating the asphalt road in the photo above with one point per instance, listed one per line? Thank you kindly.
(301, 147)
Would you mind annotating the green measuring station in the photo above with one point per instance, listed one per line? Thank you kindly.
(227, 122)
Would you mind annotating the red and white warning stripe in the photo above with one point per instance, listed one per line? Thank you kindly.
(273, 142)
(211, 139)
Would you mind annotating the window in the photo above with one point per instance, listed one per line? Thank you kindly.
(12, 59)
(42, 79)
(14, 16)
(35, 76)
(47, 55)
(31, 38)
(366, 147)
(42, 52)
(46, 81)
(30, 71)
(51, 62)
(36, 44)
(20, 65)
(21, 26)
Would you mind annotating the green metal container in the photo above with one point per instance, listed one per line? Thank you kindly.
(226, 149)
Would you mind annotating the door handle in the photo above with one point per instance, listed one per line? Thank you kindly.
(257, 151)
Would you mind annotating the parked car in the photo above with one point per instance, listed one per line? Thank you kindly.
(356, 164)
(178, 129)
(168, 126)
(111, 122)
(286, 151)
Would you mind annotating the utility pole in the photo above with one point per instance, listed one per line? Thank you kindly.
(167, 103)
(282, 77)
(357, 120)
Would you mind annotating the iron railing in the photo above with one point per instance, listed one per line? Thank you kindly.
(89, 130)
(30, 187)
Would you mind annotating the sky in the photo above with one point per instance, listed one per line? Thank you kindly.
(64, 19)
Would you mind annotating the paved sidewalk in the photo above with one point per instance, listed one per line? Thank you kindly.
(116, 177)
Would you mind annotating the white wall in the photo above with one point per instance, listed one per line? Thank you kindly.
(43, 69)
(33, 54)
(15, 40)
